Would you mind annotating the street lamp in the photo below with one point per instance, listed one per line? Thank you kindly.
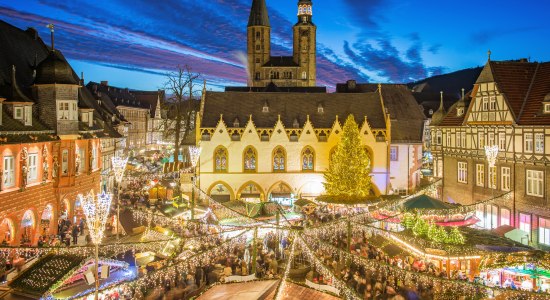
(194, 155)
(119, 166)
(491, 153)
(96, 209)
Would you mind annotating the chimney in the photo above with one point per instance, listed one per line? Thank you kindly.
(105, 83)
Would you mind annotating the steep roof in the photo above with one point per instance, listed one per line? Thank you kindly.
(258, 14)
(524, 85)
(451, 118)
(115, 96)
(407, 119)
(290, 107)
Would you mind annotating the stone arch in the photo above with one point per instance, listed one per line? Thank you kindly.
(47, 220)
(7, 231)
(370, 154)
(252, 191)
(281, 192)
(221, 194)
(28, 226)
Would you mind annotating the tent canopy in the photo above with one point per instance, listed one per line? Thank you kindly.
(426, 202)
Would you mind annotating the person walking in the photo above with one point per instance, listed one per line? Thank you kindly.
(75, 234)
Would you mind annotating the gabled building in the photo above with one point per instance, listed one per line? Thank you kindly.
(407, 125)
(509, 108)
(51, 132)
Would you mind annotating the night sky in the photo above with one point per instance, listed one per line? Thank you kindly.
(132, 43)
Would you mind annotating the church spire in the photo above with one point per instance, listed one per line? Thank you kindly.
(258, 14)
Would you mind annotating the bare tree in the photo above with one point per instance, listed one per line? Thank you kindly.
(181, 91)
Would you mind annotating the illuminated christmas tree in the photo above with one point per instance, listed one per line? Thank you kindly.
(440, 235)
(432, 230)
(420, 227)
(349, 168)
(408, 220)
(455, 237)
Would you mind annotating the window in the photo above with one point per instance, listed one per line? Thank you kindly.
(491, 218)
(462, 172)
(480, 215)
(28, 115)
(257, 47)
(504, 216)
(544, 231)
(258, 35)
(94, 157)
(534, 183)
(304, 75)
(448, 135)
(279, 160)
(80, 161)
(18, 113)
(463, 139)
(502, 141)
(458, 141)
(258, 77)
(220, 159)
(539, 143)
(505, 178)
(485, 104)
(439, 138)
(480, 175)
(67, 110)
(525, 224)
(493, 103)
(528, 142)
(460, 111)
(481, 140)
(492, 177)
(546, 107)
(9, 172)
(32, 172)
(250, 160)
(491, 139)
(308, 159)
(85, 117)
(65, 162)
(393, 153)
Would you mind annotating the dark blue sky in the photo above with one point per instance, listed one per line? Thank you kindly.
(132, 43)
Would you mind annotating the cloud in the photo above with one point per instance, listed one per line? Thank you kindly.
(485, 36)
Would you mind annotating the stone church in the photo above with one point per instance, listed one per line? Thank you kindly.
(272, 140)
(296, 70)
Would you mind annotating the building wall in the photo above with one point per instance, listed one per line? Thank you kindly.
(137, 130)
(301, 182)
(405, 171)
(46, 193)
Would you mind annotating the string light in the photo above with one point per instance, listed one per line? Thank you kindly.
(119, 166)
(282, 286)
(96, 209)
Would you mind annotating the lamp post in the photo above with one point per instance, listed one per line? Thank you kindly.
(96, 209)
(194, 155)
(491, 153)
(119, 166)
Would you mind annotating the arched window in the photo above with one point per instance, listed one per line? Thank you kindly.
(250, 160)
(304, 75)
(220, 160)
(279, 160)
(308, 159)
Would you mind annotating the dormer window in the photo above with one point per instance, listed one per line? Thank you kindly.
(547, 108)
(27, 115)
(320, 108)
(295, 124)
(265, 109)
(431, 112)
(460, 111)
(18, 113)
(236, 122)
(67, 110)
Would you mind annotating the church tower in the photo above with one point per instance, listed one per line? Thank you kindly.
(305, 39)
(259, 41)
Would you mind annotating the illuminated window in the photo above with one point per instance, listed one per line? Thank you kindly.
(481, 140)
(493, 103)
(491, 217)
(505, 178)
(485, 104)
(393, 153)
(279, 160)
(539, 143)
(32, 172)
(534, 183)
(462, 172)
(544, 231)
(250, 160)
(525, 224)
(492, 177)
(528, 142)
(65, 162)
(480, 175)
(308, 158)
(502, 141)
(504, 216)
(220, 159)
(9, 172)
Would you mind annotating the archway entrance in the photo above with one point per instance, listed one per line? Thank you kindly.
(220, 193)
(7, 231)
(78, 211)
(251, 192)
(282, 194)
(65, 209)
(46, 220)
(28, 226)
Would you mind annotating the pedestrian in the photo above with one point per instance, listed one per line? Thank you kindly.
(81, 226)
(75, 235)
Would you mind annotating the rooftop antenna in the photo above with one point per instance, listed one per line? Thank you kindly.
(51, 27)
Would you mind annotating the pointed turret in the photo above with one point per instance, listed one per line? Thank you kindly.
(157, 108)
(440, 113)
(258, 14)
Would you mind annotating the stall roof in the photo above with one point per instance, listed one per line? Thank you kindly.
(426, 202)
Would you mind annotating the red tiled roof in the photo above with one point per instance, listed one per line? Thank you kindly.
(532, 113)
(451, 119)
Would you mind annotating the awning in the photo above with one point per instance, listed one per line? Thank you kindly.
(281, 195)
